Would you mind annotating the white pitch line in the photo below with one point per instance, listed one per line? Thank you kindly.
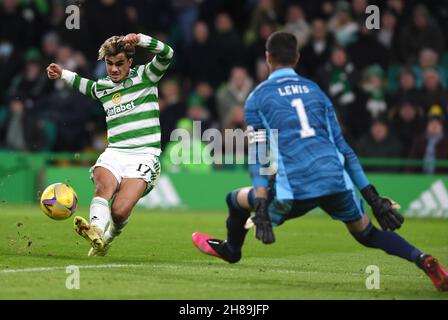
(172, 266)
(97, 266)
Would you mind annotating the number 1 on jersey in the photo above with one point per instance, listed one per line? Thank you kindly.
(306, 130)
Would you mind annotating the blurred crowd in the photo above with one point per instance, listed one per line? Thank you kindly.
(389, 86)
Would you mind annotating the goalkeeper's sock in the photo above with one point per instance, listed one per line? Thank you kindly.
(99, 213)
(235, 223)
(388, 241)
(114, 230)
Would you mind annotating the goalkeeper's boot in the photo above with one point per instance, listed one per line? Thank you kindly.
(214, 247)
(94, 252)
(435, 271)
(89, 232)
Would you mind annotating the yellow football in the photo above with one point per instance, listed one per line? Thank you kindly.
(59, 201)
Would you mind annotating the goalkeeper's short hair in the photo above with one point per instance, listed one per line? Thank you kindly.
(283, 47)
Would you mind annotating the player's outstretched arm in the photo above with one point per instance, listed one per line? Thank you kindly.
(163, 54)
(83, 85)
(261, 220)
(384, 209)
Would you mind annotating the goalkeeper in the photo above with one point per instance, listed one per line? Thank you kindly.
(315, 168)
(130, 166)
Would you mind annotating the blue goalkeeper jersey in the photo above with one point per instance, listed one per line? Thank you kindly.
(313, 158)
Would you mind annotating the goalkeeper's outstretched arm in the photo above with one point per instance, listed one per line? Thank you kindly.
(384, 209)
(83, 85)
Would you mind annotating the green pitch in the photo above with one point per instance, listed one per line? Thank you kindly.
(313, 258)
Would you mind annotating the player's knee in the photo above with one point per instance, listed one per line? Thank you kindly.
(233, 205)
(101, 190)
(232, 199)
(366, 236)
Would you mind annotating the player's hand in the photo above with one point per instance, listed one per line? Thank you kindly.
(384, 209)
(132, 39)
(54, 71)
(262, 222)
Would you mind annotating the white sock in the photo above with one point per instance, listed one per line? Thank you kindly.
(99, 213)
(114, 230)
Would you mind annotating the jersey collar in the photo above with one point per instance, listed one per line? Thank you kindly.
(283, 72)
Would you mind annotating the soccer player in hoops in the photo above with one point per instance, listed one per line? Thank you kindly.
(316, 168)
(129, 167)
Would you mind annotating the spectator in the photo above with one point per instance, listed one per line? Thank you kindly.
(171, 109)
(22, 130)
(232, 96)
(32, 83)
(428, 58)
(205, 91)
(264, 11)
(388, 34)
(327, 9)
(9, 66)
(296, 24)
(262, 71)
(399, 10)
(338, 77)
(200, 56)
(14, 28)
(342, 25)
(432, 92)
(408, 122)
(70, 111)
(407, 90)
(106, 18)
(431, 146)
(374, 90)
(379, 142)
(49, 47)
(422, 32)
(317, 52)
(186, 14)
(197, 111)
(256, 51)
(366, 50)
(359, 11)
(226, 44)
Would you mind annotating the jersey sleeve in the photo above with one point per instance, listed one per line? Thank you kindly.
(351, 163)
(256, 136)
(162, 59)
(85, 86)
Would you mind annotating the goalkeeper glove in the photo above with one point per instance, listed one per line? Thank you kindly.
(262, 222)
(384, 209)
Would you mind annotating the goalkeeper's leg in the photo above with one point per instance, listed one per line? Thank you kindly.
(368, 235)
(240, 206)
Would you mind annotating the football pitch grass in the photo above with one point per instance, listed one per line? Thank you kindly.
(314, 257)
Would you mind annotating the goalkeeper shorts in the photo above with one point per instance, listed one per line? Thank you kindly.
(343, 206)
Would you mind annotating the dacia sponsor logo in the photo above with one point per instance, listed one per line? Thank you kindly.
(120, 108)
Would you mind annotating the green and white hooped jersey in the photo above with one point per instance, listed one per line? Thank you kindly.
(131, 106)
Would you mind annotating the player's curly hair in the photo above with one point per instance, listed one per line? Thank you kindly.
(115, 45)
